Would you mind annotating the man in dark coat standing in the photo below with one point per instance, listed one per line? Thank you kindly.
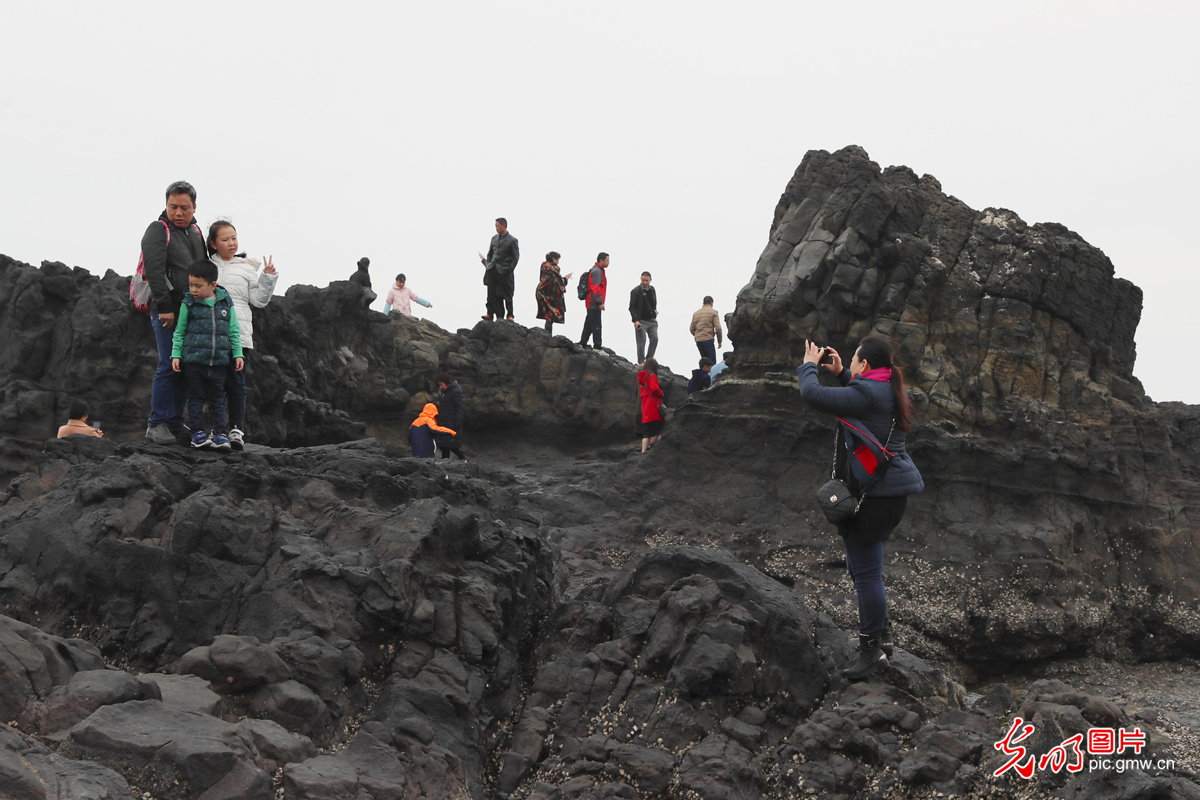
(362, 277)
(171, 244)
(499, 264)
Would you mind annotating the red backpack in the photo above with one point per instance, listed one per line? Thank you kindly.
(139, 288)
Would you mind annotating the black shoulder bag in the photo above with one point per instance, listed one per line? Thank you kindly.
(835, 498)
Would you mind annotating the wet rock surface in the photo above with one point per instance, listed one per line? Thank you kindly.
(562, 617)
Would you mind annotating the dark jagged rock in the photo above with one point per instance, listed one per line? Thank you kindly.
(32, 771)
(609, 625)
(415, 587)
(324, 365)
(1049, 524)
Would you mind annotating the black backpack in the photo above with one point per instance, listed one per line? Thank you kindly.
(582, 288)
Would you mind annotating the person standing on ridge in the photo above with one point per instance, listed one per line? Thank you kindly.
(643, 307)
(239, 276)
(597, 288)
(498, 267)
(170, 245)
(550, 290)
(706, 323)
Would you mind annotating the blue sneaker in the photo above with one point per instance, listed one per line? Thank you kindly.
(200, 439)
(221, 442)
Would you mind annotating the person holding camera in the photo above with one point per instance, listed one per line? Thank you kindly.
(871, 397)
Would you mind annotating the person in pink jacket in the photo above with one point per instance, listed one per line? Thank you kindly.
(400, 298)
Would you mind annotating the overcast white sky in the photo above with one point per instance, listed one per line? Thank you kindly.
(662, 133)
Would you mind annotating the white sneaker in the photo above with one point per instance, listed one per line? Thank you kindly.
(237, 438)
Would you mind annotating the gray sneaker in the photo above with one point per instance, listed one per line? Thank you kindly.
(237, 438)
(160, 434)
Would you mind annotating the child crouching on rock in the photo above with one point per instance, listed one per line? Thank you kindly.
(423, 430)
(206, 341)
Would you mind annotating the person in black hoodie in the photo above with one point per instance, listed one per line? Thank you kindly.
(170, 245)
(700, 378)
(450, 415)
(362, 275)
(643, 307)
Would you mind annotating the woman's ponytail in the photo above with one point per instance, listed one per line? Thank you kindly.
(877, 351)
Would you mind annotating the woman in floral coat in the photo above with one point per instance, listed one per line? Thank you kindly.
(551, 285)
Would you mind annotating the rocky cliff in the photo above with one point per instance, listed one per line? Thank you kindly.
(326, 369)
(566, 618)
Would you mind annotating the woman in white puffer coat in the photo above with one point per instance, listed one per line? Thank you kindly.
(247, 287)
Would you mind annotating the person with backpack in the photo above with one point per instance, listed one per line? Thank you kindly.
(643, 307)
(551, 288)
(170, 245)
(871, 400)
(592, 294)
(239, 276)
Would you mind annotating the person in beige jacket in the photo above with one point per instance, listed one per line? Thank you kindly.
(77, 424)
(706, 324)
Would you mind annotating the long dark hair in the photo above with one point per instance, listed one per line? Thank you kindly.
(876, 350)
(213, 230)
(650, 366)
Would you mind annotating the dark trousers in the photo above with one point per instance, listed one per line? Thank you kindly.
(708, 350)
(235, 391)
(500, 287)
(863, 539)
(591, 326)
(167, 391)
(205, 385)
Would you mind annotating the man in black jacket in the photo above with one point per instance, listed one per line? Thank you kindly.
(499, 264)
(643, 307)
(170, 245)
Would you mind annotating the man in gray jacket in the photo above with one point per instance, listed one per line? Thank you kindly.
(498, 266)
(170, 245)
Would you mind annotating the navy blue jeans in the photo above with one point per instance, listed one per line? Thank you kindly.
(708, 349)
(205, 385)
(865, 565)
(167, 392)
(863, 538)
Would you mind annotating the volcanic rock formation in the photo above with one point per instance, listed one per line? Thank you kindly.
(564, 617)
(324, 364)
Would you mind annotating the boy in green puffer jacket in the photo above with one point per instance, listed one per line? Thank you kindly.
(206, 339)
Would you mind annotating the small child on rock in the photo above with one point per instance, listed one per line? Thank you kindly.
(206, 339)
(400, 298)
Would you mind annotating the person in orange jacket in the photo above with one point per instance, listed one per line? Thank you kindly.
(421, 432)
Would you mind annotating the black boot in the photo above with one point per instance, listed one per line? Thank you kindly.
(886, 641)
(870, 658)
